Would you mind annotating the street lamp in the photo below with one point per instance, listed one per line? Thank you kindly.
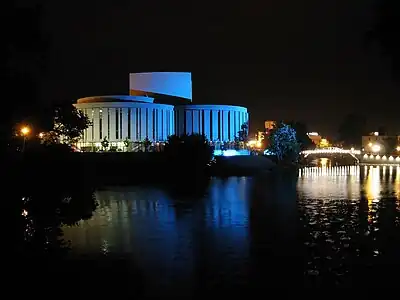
(25, 131)
(398, 148)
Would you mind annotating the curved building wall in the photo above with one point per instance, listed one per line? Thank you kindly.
(117, 120)
(217, 122)
(173, 84)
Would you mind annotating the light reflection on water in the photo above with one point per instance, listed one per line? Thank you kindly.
(351, 219)
(241, 224)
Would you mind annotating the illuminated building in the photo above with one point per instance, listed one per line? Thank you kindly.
(315, 137)
(380, 144)
(269, 125)
(158, 105)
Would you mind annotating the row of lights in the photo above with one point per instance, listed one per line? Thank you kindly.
(378, 157)
(377, 148)
(332, 150)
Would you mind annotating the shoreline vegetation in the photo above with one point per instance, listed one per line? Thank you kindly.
(111, 168)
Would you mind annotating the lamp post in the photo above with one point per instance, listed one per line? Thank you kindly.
(25, 131)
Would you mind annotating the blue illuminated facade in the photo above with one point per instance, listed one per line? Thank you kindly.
(159, 105)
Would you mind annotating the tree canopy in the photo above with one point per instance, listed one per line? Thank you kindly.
(68, 127)
(301, 133)
(283, 143)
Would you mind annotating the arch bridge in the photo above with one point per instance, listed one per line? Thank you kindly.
(332, 151)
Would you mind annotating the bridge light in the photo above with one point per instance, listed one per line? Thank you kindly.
(369, 144)
(398, 148)
(376, 148)
(384, 157)
(391, 158)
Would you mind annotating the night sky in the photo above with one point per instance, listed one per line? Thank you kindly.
(289, 59)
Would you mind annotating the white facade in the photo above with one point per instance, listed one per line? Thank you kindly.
(117, 119)
(217, 122)
(137, 117)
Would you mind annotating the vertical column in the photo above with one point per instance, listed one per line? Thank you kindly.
(207, 131)
(196, 118)
(133, 123)
(246, 119)
(225, 128)
(90, 115)
(237, 122)
(221, 126)
(143, 123)
(232, 125)
(150, 132)
(181, 122)
(189, 122)
(214, 125)
(172, 122)
(104, 128)
(112, 136)
(124, 123)
(241, 121)
(159, 136)
(164, 125)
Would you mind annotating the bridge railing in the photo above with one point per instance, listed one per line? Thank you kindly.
(331, 150)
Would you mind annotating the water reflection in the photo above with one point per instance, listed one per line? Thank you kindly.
(328, 226)
(169, 238)
(351, 220)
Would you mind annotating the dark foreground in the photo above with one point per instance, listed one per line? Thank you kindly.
(196, 237)
(336, 228)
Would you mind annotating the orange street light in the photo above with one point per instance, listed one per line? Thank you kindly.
(25, 130)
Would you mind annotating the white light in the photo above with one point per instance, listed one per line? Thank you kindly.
(384, 157)
(230, 153)
(391, 158)
(330, 150)
(376, 148)
(313, 133)
(376, 133)
(377, 157)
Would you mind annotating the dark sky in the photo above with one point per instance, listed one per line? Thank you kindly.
(289, 59)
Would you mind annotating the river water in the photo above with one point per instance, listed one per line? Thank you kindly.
(331, 226)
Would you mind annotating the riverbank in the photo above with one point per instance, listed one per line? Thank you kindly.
(125, 168)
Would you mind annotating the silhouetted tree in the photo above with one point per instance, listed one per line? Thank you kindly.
(188, 154)
(301, 133)
(105, 143)
(146, 144)
(127, 144)
(351, 129)
(243, 132)
(69, 124)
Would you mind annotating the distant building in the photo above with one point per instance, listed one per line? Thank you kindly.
(380, 144)
(315, 138)
(269, 125)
